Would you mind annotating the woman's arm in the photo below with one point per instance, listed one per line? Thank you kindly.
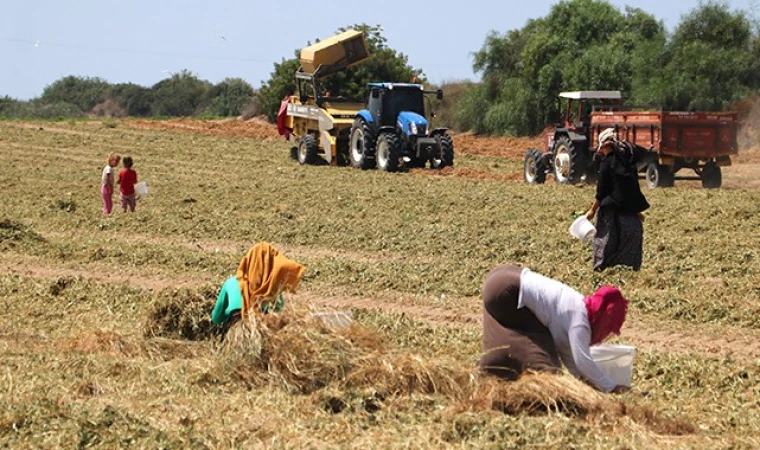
(585, 367)
(603, 188)
(594, 208)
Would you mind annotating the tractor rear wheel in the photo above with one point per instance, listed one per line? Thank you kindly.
(534, 169)
(569, 162)
(446, 157)
(308, 150)
(388, 152)
(712, 177)
(361, 147)
(658, 175)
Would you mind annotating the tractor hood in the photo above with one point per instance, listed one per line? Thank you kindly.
(412, 124)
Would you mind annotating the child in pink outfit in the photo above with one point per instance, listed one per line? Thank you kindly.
(107, 181)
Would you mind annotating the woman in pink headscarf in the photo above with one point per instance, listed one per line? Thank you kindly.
(532, 322)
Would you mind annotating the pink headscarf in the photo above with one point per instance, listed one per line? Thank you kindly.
(606, 312)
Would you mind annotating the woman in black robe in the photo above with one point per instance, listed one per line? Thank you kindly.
(619, 203)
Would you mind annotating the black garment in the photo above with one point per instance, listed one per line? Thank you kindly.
(619, 239)
(618, 182)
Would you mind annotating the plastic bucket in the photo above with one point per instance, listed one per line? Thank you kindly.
(141, 189)
(583, 229)
(615, 360)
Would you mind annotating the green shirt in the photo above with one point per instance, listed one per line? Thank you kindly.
(230, 300)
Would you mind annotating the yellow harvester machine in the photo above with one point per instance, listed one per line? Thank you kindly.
(319, 123)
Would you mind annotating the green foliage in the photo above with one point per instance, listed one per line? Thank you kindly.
(84, 92)
(281, 83)
(229, 97)
(136, 100)
(386, 65)
(12, 108)
(183, 94)
(710, 62)
(470, 109)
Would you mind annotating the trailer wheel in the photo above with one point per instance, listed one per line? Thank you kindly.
(446, 157)
(534, 169)
(308, 151)
(388, 152)
(569, 162)
(712, 177)
(658, 175)
(361, 150)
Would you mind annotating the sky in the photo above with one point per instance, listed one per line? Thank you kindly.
(143, 42)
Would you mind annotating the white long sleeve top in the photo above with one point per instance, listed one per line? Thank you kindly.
(563, 311)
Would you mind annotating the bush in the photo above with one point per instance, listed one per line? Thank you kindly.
(83, 92)
(471, 109)
(229, 97)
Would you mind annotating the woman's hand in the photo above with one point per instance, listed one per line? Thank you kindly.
(592, 211)
(620, 389)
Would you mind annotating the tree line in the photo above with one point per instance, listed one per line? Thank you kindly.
(182, 94)
(710, 61)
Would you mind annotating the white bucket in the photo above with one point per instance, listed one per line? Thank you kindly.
(615, 360)
(141, 189)
(583, 229)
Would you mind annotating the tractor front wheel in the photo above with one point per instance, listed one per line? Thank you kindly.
(446, 156)
(388, 152)
(361, 150)
(534, 169)
(308, 150)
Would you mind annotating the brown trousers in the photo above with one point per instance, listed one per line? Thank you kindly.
(514, 340)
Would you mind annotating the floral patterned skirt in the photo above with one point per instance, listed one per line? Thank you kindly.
(619, 239)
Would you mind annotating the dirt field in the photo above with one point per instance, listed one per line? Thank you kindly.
(407, 252)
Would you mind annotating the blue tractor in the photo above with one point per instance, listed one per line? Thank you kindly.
(392, 132)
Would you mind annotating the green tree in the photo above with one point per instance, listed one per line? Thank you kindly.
(711, 61)
(84, 92)
(136, 100)
(229, 97)
(183, 94)
(385, 65)
(579, 45)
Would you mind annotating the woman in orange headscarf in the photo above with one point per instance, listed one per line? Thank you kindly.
(262, 275)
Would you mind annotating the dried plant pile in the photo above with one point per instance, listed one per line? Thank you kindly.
(184, 314)
(299, 353)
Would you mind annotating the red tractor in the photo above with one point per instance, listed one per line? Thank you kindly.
(569, 155)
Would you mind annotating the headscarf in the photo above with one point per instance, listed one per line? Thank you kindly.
(264, 273)
(606, 312)
(608, 135)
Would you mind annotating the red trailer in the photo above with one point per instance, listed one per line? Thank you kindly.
(700, 141)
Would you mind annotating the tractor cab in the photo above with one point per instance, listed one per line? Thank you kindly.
(390, 104)
(578, 106)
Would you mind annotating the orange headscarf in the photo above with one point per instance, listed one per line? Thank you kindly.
(264, 273)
